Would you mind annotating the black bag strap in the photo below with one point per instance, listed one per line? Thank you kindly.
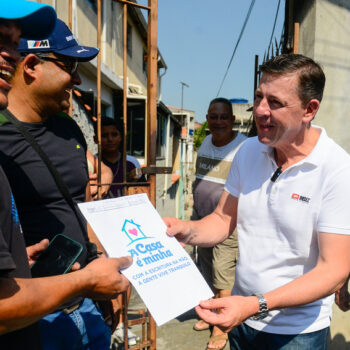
(56, 176)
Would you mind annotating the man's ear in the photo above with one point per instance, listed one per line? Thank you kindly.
(30, 65)
(311, 109)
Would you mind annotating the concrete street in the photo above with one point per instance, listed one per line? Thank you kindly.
(178, 333)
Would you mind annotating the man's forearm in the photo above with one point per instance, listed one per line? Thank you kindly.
(208, 231)
(314, 285)
(217, 226)
(329, 275)
(24, 301)
(323, 280)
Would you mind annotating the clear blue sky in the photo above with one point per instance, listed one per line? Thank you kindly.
(196, 39)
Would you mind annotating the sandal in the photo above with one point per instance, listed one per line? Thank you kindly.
(201, 326)
(216, 338)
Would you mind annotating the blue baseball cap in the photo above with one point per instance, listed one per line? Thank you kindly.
(36, 20)
(62, 42)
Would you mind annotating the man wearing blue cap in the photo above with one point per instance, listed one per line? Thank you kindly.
(41, 90)
(23, 300)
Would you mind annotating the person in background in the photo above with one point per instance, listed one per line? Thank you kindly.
(214, 160)
(112, 156)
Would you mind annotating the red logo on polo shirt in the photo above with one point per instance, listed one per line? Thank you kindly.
(300, 198)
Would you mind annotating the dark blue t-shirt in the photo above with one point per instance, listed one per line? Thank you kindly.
(42, 209)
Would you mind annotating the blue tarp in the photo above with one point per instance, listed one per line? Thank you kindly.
(238, 100)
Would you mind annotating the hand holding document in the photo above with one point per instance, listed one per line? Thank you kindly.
(162, 272)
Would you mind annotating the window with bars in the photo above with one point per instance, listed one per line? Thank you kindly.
(136, 126)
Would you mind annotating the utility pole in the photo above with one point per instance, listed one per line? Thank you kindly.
(182, 97)
(182, 156)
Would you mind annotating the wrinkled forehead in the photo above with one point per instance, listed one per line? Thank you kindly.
(279, 82)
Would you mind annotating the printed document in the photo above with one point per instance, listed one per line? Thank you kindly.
(162, 272)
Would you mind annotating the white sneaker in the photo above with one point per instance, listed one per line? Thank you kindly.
(118, 335)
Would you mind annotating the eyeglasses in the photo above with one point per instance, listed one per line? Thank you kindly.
(70, 66)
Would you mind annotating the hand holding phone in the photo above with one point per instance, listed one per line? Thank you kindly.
(61, 253)
(34, 251)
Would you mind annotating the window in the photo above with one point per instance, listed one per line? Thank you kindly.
(129, 39)
(93, 4)
(106, 110)
(136, 127)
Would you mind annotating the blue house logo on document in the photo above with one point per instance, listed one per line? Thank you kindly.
(133, 231)
(144, 254)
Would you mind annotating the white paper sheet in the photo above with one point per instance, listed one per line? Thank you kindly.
(162, 272)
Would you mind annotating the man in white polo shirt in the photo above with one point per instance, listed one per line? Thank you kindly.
(287, 192)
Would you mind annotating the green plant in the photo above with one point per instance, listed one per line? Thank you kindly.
(199, 135)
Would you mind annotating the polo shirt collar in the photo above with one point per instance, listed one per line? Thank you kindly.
(315, 157)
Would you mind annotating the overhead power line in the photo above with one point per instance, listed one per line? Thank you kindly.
(274, 26)
(239, 39)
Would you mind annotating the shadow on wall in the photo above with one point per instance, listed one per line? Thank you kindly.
(338, 342)
(342, 3)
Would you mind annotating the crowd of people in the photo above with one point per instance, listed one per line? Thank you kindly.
(283, 194)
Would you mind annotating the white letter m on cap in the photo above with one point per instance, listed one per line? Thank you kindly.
(38, 44)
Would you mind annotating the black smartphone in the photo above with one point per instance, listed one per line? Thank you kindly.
(57, 258)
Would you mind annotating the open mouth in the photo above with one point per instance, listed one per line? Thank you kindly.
(5, 75)
(265, 127)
